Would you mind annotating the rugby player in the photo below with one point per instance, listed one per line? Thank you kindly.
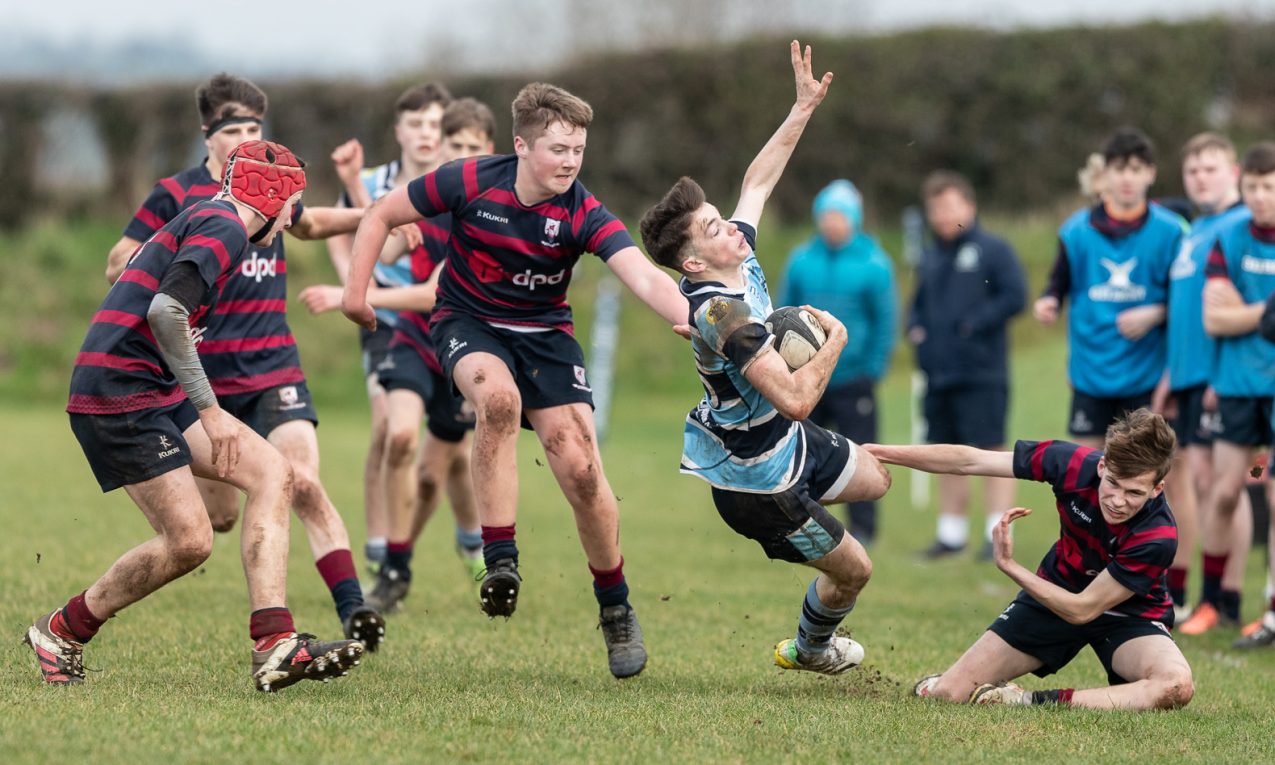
(148, 419)
(248, 349)
(1103, 584)
(771, 469)
(504, 332)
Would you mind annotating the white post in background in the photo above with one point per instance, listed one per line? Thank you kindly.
(913, 242)
(602, 342)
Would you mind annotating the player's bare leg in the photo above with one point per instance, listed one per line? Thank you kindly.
(998, 496)
(1219, 605)
(444, 466)
(989, 660)
(375, 514)
(953, 521)
(222, 502)
(571, 447)
(404, 410)
(329, 541)
(1180, 490)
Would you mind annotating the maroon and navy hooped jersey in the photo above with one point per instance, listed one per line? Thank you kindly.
(510, 264)
(412, 327)
(120, 368)
(1137, 553)
(248, 345)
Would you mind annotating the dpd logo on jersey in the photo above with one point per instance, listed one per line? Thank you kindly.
(259, 268)
(531, 281)
(197, 335)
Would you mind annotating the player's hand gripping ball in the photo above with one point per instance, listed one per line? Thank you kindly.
(797, 335)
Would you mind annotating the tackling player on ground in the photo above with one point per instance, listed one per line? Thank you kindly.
(1103, 584)
(248, 349)
(504, 332)
(147, 418)
(771, 470)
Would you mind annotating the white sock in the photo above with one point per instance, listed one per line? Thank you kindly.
(954, 530)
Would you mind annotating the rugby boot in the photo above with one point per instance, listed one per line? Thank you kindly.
(300, 656)
(1000, 693)
(61, 660)
(367, 626)
(388, 592)
(941, 550)
(1205, 617)
(842, 655)
(924, 687)
(498, 593)
(1262, 637)
(472, 560)
(626, 653)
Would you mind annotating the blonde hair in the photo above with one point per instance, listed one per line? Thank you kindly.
(1140, 442)
(1090, 177)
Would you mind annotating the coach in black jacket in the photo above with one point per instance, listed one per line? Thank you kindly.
(968, 286)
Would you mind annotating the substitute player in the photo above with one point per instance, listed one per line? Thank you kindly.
(248, 349)
(1102, 584)
(771, 469)
(1113, 264)
(505, 336)
(1210, 176)
(147, 418)
(1241, 276)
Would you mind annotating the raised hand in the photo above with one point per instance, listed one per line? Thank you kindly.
(348, 160)
(810, 92)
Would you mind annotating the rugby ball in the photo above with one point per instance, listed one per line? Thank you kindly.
(797, 335)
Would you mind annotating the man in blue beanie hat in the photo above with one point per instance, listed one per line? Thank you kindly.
(845, 272)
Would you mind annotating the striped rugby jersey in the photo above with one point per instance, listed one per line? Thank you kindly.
(412, 328)
(509, 264)
(120, 368)
(248, 345)
(1137, 553)
(736, 439)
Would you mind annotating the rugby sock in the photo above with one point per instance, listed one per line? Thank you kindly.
(337, 570)
(1228, 604)
(398, 556)
(953, 531)
(609, 587)
(818, 622)
(498, 543)
(374, 550)
(469, 540)
(1177, 585)
(268, 626)
(77, 621)
(1060, 696)
(1214, 565)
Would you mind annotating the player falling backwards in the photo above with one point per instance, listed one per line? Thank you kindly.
(504, 332)
(1103, 584)
(147, 418)
(771, 470)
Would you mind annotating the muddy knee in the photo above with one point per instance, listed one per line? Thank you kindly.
(400, 446)
(500, 413)
(427, 486)
(190, 548)
(1175, 690)
(307, 491)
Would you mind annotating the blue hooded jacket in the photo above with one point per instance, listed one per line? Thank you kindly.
(853, 282)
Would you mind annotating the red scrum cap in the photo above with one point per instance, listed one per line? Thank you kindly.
(263, 175)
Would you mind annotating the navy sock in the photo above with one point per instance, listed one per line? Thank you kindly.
(348, 596)
(818, 622)
(494, 551)
(610, 587)
(398, 557)
(1228, 604)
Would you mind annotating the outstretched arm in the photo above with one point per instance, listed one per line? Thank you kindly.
(768, 166)
(1082, 607)
(655, 287)
(946, 458)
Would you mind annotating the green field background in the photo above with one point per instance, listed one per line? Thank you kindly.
(169, 679)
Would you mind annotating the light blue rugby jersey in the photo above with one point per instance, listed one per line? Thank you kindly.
(379, 181)
(735, 439)
(1192, 352)
(1245, 254)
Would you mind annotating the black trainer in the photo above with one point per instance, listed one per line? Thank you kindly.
(940, 550)
(389, 591)
(367, 626)
(498, 593)
(626, 653)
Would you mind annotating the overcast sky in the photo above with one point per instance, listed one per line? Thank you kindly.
(90, 39)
